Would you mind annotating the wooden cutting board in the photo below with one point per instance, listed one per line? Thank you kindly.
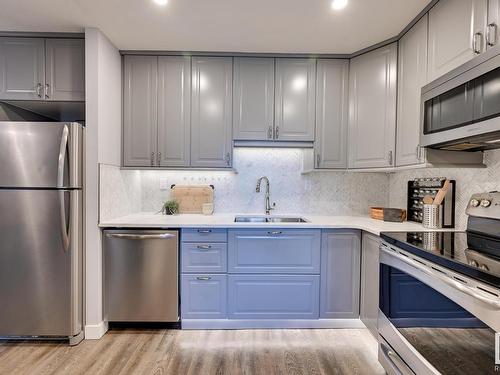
(192, 197)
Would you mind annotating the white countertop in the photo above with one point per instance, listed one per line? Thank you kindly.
(153, 220)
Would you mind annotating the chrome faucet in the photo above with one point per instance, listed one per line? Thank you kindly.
(257, 190)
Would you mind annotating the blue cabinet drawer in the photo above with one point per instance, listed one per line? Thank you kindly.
(204, 235)
(273, 296)
(203, 296)
(210, 257)
(275, 251)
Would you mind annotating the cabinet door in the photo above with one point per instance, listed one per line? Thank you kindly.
(253, 100)
(139, 111)
(493, 30)
(203, 296)
(174, 99)
(452, 25)
(370, 281)
(22, 68)
(295, 99)
(372, 123)
(65, 69)
(331, 113)
(273, 296)
(211, 140)
(340, 258)
(274, 251)
(412, 76)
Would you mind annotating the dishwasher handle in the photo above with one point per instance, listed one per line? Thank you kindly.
(160, 236)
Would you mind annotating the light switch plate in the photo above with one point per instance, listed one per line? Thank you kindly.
(164, 184)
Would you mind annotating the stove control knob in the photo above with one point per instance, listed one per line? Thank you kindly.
(484, 267)
(474, 202)
(473, 263)
(485, 203)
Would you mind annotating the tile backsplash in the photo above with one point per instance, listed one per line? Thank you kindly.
(469, 181)
(124, 192)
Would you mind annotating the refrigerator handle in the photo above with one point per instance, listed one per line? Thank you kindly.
(62, 157)
(64, 221)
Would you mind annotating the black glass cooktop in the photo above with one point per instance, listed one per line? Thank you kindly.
(452, 250)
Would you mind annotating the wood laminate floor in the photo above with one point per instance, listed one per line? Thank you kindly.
(159, 352)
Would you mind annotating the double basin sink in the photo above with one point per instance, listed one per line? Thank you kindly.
(269, 219)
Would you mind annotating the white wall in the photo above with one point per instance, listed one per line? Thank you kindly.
(103, 123)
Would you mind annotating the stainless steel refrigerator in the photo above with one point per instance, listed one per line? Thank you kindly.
(41, 226)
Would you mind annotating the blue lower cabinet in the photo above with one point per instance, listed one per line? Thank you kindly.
(273, 296)
(203, 296)
(204, 257)
(290, 251)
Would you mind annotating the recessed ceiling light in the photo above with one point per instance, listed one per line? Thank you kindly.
(339, 4)
(161, 2)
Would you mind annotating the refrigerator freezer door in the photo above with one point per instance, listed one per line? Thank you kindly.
(40, 262)
(40, 155)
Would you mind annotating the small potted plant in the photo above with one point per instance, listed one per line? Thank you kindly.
(171, 207)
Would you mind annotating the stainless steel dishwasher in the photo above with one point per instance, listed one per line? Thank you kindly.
(141, 275)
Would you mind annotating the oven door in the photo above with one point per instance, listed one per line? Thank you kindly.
(433, 320)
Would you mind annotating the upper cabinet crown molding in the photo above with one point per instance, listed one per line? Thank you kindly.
(372, 108)
(42, 69)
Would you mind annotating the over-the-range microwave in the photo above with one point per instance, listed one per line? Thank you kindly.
(460, 111)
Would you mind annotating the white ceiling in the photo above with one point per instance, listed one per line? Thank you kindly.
(290, 26)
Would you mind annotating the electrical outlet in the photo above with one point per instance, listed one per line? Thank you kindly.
(164, 184)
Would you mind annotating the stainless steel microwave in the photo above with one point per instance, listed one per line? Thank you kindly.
(460, 111)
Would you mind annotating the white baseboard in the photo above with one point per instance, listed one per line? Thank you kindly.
(95, 331)
(267, 324)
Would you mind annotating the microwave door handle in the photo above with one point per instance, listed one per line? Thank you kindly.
(62, 156)
(64, 221)
(493, 304)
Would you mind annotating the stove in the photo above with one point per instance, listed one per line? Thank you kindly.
(474, 252)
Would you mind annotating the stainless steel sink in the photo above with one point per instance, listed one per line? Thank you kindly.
(269, 219)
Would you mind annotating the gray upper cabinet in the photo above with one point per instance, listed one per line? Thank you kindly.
(65, 69)
(370, 281)
(456, 34)
(174, 99)
(412, 76)
(22, 68)
(332, 105)
(492, 30)
(253, 99)
(295, 99)
(211, 110)
(140, 125)
(340, 269)
(372, 121)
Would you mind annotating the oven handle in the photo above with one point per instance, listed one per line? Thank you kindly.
(399, 367)
(490, 302)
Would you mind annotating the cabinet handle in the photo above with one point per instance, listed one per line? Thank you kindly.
(204, 247)
(38, 90)
(318, 159)
(274, 232)
(203, 278)
(277, 132)
(419, 152)
(158, 159)
(228, 159)
(47, 88)
(152, 159)
(390, 157)
(204, 231)
(491, 34)
(477, 37)
(270, 132)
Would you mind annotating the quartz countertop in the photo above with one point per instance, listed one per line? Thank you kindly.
(154, 220)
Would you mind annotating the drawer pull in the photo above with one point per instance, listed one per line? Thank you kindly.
(204, 231)
(204, 247)
(274, 232)
(203, 278)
